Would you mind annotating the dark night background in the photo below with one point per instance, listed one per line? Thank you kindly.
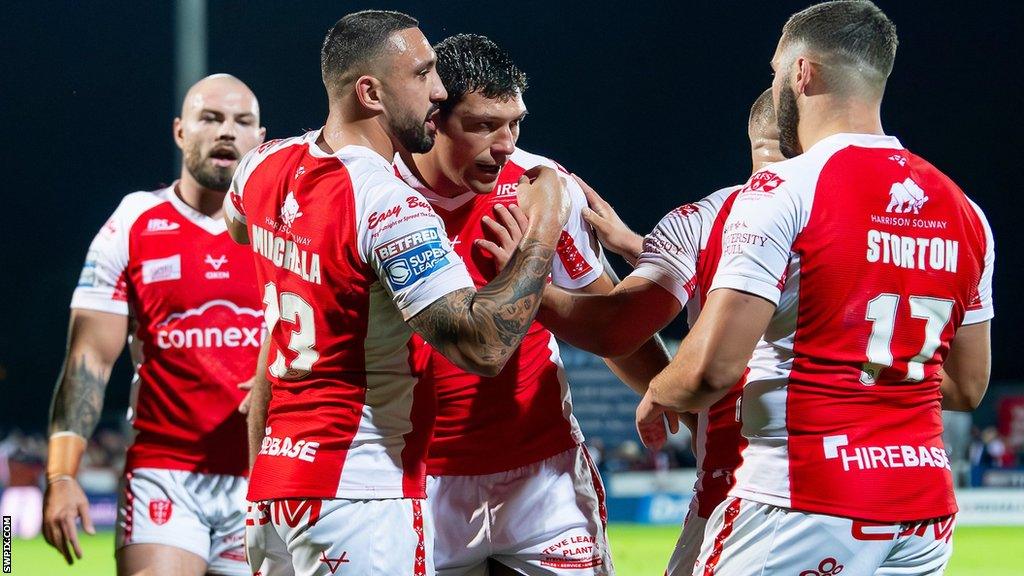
(647, 101)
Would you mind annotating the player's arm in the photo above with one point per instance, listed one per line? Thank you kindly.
(259, 402)
(610, 325)
(95, 340)
(636, 368)
(713, 356)
(966, 370)
(478, 330)
(742, 300)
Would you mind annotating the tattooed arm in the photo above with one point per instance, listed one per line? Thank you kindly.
(95, 340)
(479, 330)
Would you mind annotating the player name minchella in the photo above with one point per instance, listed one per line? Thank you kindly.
(286, 254)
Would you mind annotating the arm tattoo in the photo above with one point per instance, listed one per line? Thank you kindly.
(487, 326)
(78, 400)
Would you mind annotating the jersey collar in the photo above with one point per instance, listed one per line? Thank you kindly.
(435, 199)
(214, 226)
(859, 140)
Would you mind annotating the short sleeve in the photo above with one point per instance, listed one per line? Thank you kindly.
(670, 251)
(579, 260)
(408, 248)
(102, 286)
(981, 307)
(758, 240)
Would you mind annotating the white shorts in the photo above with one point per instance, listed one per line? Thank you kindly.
(746, 538)
(688, 545)
(543, 518)
(201, 513)
(323, 537)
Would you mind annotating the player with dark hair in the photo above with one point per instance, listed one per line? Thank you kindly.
(531, 504)
(352, 261)
(675, 264)
(164, 267)
(858, 277)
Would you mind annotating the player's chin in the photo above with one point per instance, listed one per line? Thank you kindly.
(482, 183)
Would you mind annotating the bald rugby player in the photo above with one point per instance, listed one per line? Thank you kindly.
(164, 265)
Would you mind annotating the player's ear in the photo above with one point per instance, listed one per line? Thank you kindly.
(179, 133)
(803, 74)
(263, 134)
(369, 92)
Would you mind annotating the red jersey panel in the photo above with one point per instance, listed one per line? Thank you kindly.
(681, 255)
(192, 296)
(875, 259)
(524, 414)
(345, 254)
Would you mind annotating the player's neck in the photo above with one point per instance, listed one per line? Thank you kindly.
(847, 116)
(201, 199)
(340, 131)
(426, 169)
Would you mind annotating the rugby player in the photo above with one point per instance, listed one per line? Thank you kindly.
(537, 504)
(859, 277)
(352, 261)
(675, 264)
(164, 268)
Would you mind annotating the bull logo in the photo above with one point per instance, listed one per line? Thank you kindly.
(906, 196)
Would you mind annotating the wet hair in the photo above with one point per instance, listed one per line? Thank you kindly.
(472, 63)
(853, 36)
(356, 41)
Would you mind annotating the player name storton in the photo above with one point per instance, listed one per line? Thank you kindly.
(911, 252)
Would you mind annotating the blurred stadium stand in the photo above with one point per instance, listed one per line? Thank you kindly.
(986, 448)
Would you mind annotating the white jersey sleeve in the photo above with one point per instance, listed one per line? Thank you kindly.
(412, 255)
(579, 260)
(672, 249)
(102, 285)
(758, 237)
(982, 309)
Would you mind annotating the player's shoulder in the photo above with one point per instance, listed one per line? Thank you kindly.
(520, 161)
(258, 155)
(371, 174)
(705, 210)
(379, 193)
(135, 204)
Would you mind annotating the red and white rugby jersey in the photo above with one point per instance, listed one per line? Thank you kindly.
(681, 255)
(874, 259)
(192, 296)
(526, 410)
(345, 253)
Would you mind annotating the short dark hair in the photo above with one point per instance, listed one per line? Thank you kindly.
(762, 113)
(474, 63)
(854, 33)
(355, 40)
